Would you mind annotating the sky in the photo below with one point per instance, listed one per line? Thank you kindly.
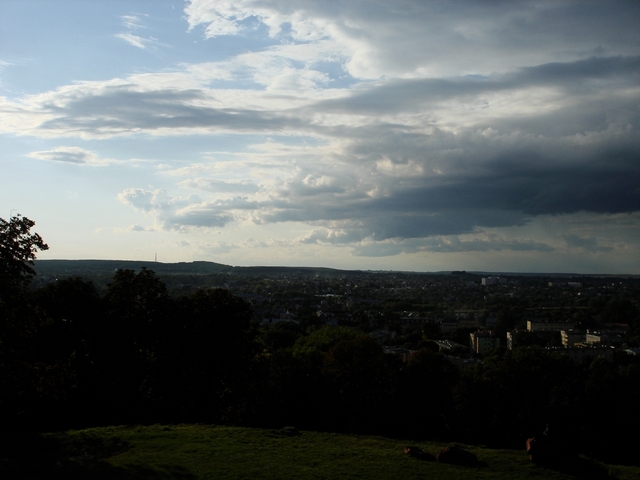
(377, 135)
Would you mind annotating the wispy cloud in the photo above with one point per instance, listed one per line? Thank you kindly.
(135, 40)
(135, 22)
(74, 155)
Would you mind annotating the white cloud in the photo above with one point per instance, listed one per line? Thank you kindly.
(331, 236)
(220, 186)
(408, 38)
(217, 248)
(183, 213)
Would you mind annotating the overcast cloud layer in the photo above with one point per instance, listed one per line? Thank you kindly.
(365, 134)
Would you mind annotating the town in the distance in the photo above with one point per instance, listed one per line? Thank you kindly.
(477, 358)
(464, 315)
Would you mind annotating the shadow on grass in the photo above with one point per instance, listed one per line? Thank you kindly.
(35, 456)
(579, 467)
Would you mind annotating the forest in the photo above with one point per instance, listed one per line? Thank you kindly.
(71, 357)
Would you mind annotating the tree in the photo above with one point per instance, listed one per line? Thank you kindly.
(136, 306)
(24, 381)
(359, 386)
(426, 403)
(517, 393)
(204, 358)
(347, 383)
(280, 335)
(18, 247)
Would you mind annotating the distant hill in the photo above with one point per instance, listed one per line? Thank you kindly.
(108, 267)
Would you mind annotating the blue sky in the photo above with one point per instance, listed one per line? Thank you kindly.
(425, 136)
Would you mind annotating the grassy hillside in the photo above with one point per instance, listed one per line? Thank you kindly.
(190, 452)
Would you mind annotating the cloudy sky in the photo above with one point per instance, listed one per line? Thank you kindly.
(368, 134)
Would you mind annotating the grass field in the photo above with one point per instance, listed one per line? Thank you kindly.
(191, 452)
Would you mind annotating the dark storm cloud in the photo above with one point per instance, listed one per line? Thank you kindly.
(578, 77)
(573, 74)
(483, 184)
(414, 222)
(449, 245)
(528, 182)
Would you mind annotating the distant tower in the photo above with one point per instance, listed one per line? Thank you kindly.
(155, 259)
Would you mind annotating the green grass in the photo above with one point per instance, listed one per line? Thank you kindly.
(190, 452)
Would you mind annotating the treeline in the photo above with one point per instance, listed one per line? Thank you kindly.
(72, 358)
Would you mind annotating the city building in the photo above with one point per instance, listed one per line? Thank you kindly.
(579, 352)
(537, 326)
(482, 341)
(572, 337)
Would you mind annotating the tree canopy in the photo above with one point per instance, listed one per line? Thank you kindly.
(18, 247)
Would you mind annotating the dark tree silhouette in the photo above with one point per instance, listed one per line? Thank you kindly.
(18, 247)
(204, 356)
(23, 379)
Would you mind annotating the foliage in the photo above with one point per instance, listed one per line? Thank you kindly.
(280, 335)
(204, 356)
(322, 340)
(24, 377)
(517, 394)
(18, 247)
(426, 395)
(359, 386)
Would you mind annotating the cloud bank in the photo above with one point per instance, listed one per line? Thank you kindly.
(426, 126)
